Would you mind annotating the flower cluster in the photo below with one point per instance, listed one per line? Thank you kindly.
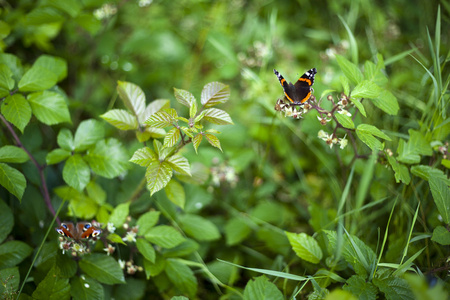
(297, 111)
(130, 266)
(222, 173)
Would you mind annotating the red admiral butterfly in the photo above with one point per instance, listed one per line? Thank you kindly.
(299, 92)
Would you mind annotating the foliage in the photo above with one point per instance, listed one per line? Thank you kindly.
(346, 195)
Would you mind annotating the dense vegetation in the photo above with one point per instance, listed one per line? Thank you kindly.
(162, 124)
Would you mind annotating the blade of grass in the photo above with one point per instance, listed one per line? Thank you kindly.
(269, 272)
(385, 235)
(352, 40)
(405, 251)
(40, 248)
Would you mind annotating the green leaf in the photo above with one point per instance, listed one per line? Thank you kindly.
(199, 228)
(115, 238)
(152, 108)
(88, 133)
(345, 121)
(184, 97)
(305, 246)
(65, 140)
(354, 251)
(361, 289)
(175, 192)
(417, 145)
(132, 96)
(56, 156)
(6, 80)
(179, 298)
(394, 288)
(103, 268)
(13, 63)
(108, 158)
(37, 79)
(76, 172)
(121, 119)
(164, 236)
(440, 235)
(196, 141)
(56, 65)
(49, 107)
(401, 171)
(120, 214)
(13, 154)
(215, 93)
(261, 288)
(86, 288)
(146, 249)
(426, 172)
(179, 164)
(236, 230)
(366, 134)
(53, 287)
(359, 106)
(345, 84)
(350, 70)
(172, 137)
(213, 140)
(217, 116)
(158, 174)
(406, 154)
(154, 269)
(441, 195)
(6, 221)
(193, 109)
(71, 7)
(143, 156)
(44, 15)
(374, 131)
(12, 180)
(181, 276)
(387, 102)
(160, 119)
(17, 111)
(147, 221)
(12, 253)
(10, 279)
(189, 246)
(366, 89)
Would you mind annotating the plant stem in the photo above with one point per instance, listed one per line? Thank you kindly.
(43, 187)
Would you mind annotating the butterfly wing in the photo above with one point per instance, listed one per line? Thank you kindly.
(66, 229)
(288, 88)
(87, 231)
(303, 86)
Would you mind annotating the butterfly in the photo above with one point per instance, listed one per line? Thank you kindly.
(83, 230)
(299, 92)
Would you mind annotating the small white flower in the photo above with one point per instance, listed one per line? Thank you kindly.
(110, 227)
(343, 142)
(344, 112)
(288, 111)
(322, 135)
(109, 250)
(121, 264)
(323, 120)
(86, 285)
(78, 248)
(130, 237)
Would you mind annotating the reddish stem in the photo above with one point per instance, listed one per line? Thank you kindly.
(43, 187)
